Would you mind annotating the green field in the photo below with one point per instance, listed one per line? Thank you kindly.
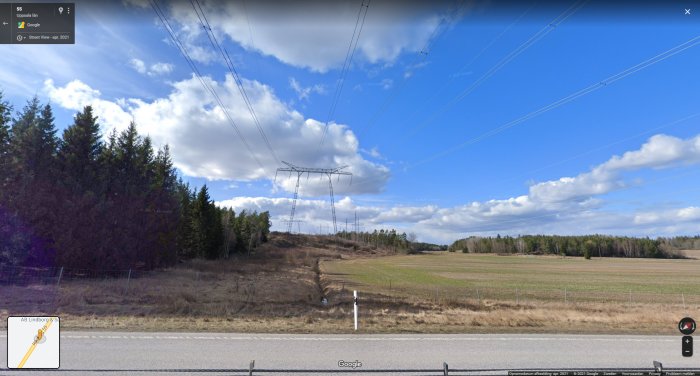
(455, 272)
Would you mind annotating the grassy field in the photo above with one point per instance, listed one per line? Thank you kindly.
(456, 279)
(278, 290)
(488, 271)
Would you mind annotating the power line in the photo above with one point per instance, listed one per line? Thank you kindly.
(605, 82)
(346, 66)
(467, 65)
(247, 20)
(588, 151)
(420, 57)
(360, 182)
(232, 69)
(173, 35)
(502, 63)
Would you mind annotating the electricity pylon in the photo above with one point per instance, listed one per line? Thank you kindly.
(297, 221)
(308, 171)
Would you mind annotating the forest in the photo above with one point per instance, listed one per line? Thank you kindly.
(391, 239)
(587, 245)
(83, 201)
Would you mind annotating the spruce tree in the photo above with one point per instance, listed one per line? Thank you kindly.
(5, 118)
(79, 152)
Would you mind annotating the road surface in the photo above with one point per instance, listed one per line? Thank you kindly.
(130, 350)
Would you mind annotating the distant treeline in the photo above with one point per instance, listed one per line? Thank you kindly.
(78, 201)
(586, 246)
(379, 238)
(391, 239)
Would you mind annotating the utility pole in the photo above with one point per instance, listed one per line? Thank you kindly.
(355, 225)
(329, 172)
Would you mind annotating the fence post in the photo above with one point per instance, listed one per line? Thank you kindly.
(251, 366)
(445, 369)
(683, 299)
(60, 274)
(354, 295)
(128, 279)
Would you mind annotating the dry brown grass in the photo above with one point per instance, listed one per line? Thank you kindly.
(690, 253)
(278, 290)
(487, 317)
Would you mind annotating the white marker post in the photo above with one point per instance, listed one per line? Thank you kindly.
(355, 304)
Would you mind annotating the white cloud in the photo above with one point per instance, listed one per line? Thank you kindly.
(447, 224)
(689, 214)
(660, 151)
(569, 205)
(75, 95)
(204, 144)
(303, 92)
(137, 3)
(374, 153)
(318, 212)
(154, 70)
(315, 37)
(160, 69)
(138, 65)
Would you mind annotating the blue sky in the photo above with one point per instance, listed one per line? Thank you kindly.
(622, 159)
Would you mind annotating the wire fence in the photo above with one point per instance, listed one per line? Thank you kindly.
(23, 276)
(390, 293)
(523, 296)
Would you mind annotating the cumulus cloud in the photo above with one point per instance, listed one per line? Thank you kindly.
(660, 151)
(318, 212)
(154, 70)
(75, 95)
(204, 144)
(445, 225)
(316, 35)
(569, 205)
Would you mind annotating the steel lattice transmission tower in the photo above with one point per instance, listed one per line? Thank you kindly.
(297, 221)
(329, 172)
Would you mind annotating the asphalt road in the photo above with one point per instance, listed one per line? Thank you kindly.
(128, 351)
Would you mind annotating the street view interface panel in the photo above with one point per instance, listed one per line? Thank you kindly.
(450, 187)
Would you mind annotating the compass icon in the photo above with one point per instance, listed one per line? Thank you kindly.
(686, 326)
